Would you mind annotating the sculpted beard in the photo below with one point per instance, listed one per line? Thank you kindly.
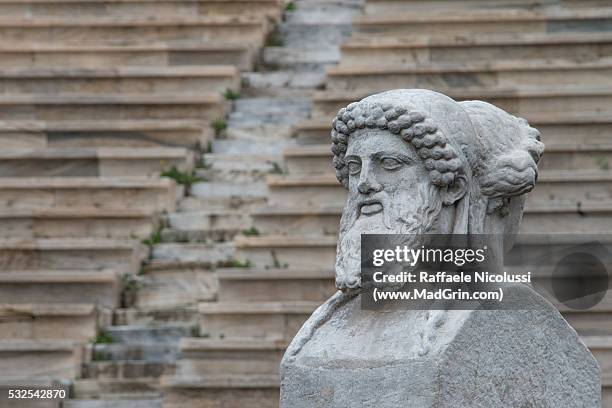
(402, 214)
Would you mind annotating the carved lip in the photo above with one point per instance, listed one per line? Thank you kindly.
(370, 207)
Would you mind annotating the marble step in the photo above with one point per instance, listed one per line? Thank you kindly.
(235, 202)
(25, 359)
(204, 107)
(314, 35)
(287, 251)
(77, 223)
(474, 22)
(394, 51)
(233, 391)
(167, 334)
(268, 285)
(492, 74)
(175, 285)
(254, 109)
(93, 162)
(95, 403)
(262, 128)
(67, 253)
(260, 110)
(194, 226)
(254, 147)
(45, 55)
(421, 6)
(170, 235)
(114, 389)
(134, 8)
(210, 253)
(31, 134)
(132, 80)
(156, 315)
(270, 125)
(202, 357)
(46, 320)
(325, 11)
(278, 57)
(152, 352)
(559, 128)
(107, 30)
(246, 163)
(224, 196)
(545, 218)
(58, 287)
(560, 185)
(281, 82)
(126, 369)
(522, 101)
(227, 190)
(254, 320)
(316, 159)
(83, 193)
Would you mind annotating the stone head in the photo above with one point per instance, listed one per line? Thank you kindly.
(418, 162)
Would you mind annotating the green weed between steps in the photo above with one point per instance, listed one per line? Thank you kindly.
(154, 238)
(291, 6)
(182, 177)
(234, 263)
(231, 95)
(251, 232)
(218, 125)
(103, 337)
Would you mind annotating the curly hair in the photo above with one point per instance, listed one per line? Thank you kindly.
(503, 155)
(439, 157)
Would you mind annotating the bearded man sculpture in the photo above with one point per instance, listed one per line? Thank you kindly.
(418, 162)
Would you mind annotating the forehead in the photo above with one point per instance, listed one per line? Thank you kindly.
(366, 142)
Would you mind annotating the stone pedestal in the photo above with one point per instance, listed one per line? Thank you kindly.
(348, 357)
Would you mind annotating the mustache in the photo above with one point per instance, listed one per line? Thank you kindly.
(391, 212)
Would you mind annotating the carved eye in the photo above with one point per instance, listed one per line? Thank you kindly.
(390, 163)
(354, 167)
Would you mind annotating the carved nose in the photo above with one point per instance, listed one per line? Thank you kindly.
(367, 186)
(367, 182)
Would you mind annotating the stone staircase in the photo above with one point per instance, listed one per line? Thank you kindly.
(131, 290)
(234, 360)
(98, 100)
(546, 60)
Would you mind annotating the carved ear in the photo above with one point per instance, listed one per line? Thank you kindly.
(453, 193)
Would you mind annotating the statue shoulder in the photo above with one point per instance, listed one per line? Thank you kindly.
(319, 317)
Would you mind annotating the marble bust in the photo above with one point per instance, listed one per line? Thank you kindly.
(418, 162)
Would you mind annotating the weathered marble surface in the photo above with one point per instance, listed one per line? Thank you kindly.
(415, 161)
